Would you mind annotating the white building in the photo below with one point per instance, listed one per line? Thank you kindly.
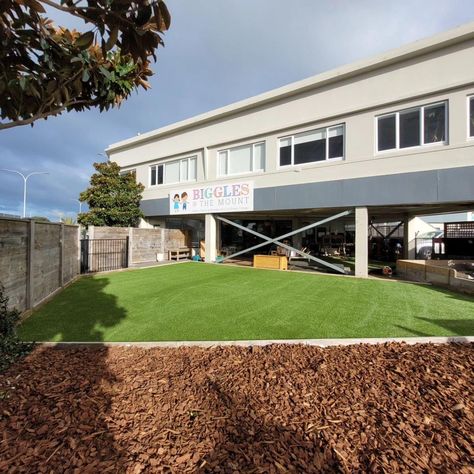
(388, 138)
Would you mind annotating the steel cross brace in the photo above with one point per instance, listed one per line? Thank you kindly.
(276, 240)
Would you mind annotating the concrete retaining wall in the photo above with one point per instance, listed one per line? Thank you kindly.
(436, 272)
(144, 244)
(36, 259)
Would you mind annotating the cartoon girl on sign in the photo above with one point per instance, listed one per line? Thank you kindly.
(176, 201)
(184, 198)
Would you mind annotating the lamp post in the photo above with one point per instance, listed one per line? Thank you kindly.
(80, 204)
(25, 180)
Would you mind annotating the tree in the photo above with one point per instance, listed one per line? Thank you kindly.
(46, 70)
(113, 198)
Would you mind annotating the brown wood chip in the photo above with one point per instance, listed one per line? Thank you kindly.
(279, 408)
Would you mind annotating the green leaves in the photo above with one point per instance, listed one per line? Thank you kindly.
(85, 41)
(11, 348)
(113, 199)
(45, 69)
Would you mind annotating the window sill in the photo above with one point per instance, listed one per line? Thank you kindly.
(412, 149)
(313, 164)
(169, 185)
(243, 175)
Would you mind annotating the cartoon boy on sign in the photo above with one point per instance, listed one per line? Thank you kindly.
(184, 198)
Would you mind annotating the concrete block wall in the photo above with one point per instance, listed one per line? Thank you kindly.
(95, 232)
(46, 262)
(71, 256)
(14, 260)
(36, 259)
(144, 244)
(436, 272)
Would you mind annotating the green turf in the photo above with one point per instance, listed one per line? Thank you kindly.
(195, 301)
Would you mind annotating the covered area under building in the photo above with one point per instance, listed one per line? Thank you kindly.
(355, 241)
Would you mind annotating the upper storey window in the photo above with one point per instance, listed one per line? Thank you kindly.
(242, 159)
(470, 116)
(172, 172)
(312, 146)
(413, 127)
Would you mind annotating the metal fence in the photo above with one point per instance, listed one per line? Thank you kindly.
(100, 255)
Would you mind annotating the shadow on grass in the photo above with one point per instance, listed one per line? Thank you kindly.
(460, 327)
(62, 401)
(80, 313)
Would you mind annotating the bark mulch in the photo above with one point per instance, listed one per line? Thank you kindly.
(385, 408)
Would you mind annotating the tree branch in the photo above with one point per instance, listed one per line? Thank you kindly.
(42, 115)
(65, 9)
(76, 11)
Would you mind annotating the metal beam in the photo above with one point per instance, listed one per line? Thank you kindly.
(268, 240)
(394, 230)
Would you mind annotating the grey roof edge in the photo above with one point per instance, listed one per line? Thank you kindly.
(416, 48)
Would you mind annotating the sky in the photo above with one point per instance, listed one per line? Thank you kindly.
(217, 52)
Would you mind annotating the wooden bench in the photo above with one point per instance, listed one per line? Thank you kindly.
(179, 253)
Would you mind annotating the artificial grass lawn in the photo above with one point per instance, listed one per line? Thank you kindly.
(195, 301)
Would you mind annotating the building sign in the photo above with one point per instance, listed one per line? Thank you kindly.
(229, 197)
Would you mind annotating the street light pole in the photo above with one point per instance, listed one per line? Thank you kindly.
(80, 204)
(25, 180)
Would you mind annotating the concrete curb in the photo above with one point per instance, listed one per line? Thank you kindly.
(250, 343)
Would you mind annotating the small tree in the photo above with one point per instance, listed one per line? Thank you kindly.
(68, 220)
(10, 346)
(113, 198)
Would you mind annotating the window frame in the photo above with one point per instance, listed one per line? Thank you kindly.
(470, 98)
(421, 111)
(312, 163)
(164, 163)
(227, 152)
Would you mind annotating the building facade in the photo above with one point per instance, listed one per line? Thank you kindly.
(388, 138)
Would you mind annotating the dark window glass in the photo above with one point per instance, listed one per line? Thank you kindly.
(310, 151)
(435, 126)
(160, 174)
(336, 146)
(153, 175)
(386, 133)
(285, 155)
(471, 117)
(410, 128)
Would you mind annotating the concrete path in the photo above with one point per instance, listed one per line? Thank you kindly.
(310, 342)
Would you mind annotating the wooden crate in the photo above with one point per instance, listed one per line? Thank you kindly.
(275, 262)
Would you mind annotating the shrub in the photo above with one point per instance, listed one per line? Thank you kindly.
(11, 348)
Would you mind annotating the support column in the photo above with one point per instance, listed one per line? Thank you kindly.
(297, 239)
(409, 236)
(211, 238)
(361, 242)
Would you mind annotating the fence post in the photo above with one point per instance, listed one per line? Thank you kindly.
(127, 250)
(129, 246)
(79, 250)
(29, 270)
(61, 255)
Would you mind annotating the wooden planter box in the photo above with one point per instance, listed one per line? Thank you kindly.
(274, 262)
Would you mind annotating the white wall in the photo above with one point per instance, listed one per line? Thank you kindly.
(446, 74)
